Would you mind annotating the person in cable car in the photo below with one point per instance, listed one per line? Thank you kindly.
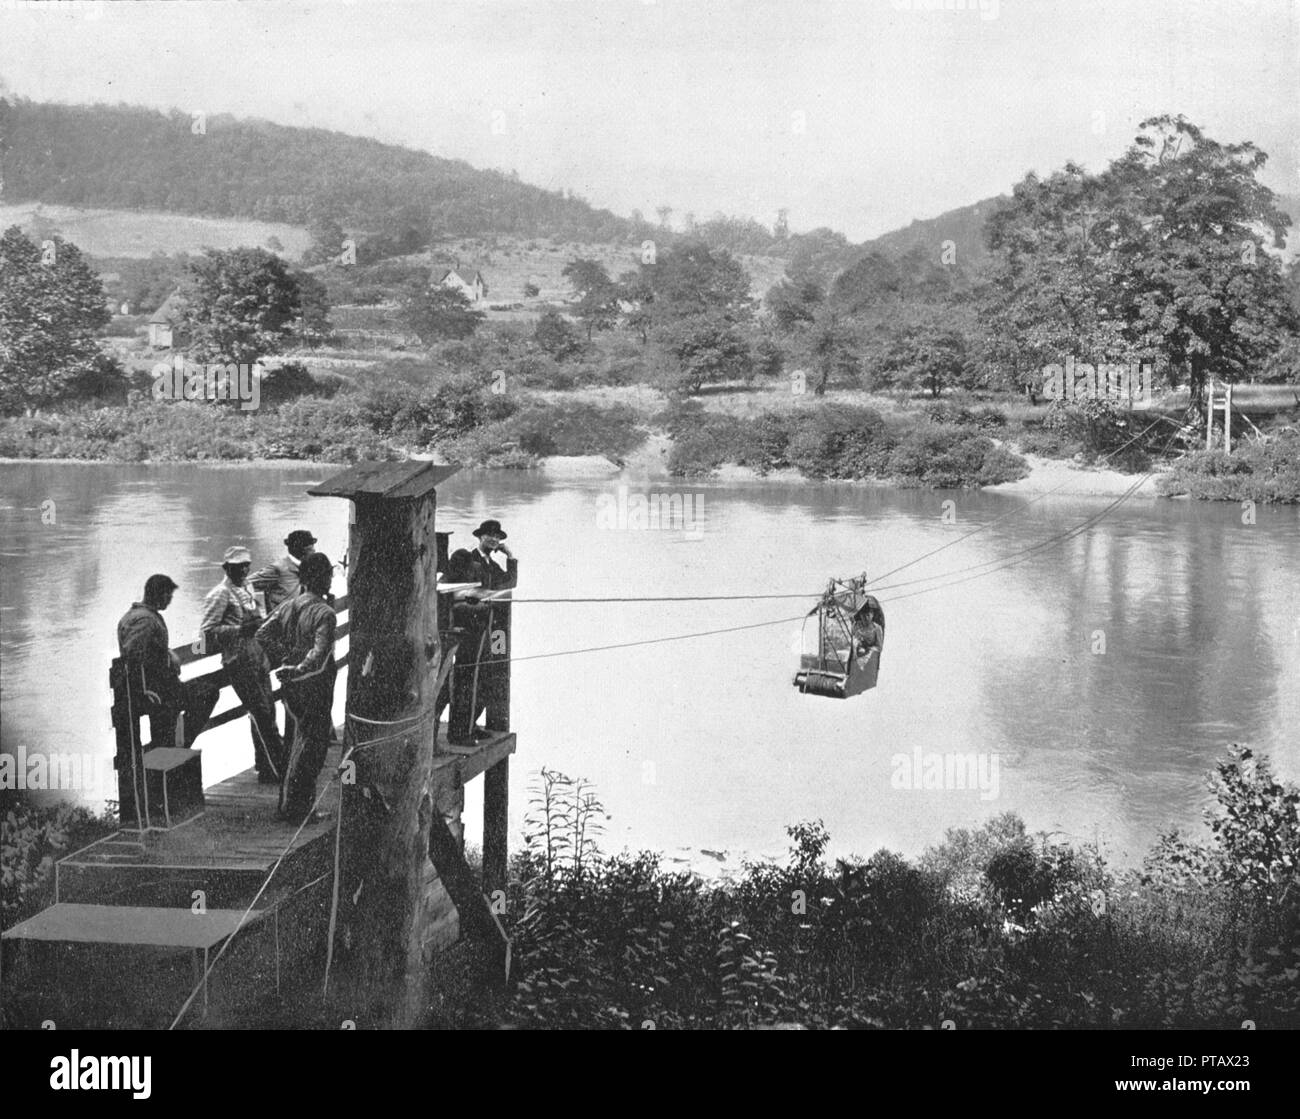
(841, 655)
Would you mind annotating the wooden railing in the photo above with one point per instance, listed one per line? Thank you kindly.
(126, 720)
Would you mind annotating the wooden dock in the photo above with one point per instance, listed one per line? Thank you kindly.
(206, 901)
(138, 919)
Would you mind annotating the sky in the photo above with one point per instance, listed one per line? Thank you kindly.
(859, 115)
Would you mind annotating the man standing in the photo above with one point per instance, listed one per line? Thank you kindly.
(304, 626)
(471, 679)
(154, 672)
(230, 620)
(280, 580)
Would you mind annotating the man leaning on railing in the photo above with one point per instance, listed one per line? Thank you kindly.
(153, 672)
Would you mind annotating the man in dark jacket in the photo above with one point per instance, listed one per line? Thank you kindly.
(154, 672)
(472, 679)
(304, 627)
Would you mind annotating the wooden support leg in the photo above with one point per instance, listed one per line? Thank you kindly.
(496, 813)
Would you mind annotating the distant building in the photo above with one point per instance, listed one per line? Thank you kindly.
(165, 324)
(465, 278)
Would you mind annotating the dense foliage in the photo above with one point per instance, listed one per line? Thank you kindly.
(992, 928)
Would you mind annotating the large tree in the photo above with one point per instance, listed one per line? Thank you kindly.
(435, 312)
(51, 305)
(239, 305)
(1160, 257)
(597, 294)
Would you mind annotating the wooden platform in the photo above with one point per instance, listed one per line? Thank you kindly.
(122, 946)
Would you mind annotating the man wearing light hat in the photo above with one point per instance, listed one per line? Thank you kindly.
(230, 620)
(472, 678)
(279, 581)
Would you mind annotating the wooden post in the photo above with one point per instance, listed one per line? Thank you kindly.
(496, 825)
(1209, 414)
(1227, 420)
(394, 659)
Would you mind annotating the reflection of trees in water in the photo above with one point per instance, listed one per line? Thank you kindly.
(1180, 650)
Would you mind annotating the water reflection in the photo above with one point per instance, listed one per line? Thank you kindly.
(1107, 672)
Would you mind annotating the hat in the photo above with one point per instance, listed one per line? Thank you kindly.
(156, 584)
(299, 536)
(494, 527)
(236, 553)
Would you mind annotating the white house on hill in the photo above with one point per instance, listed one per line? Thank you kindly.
(465, 278)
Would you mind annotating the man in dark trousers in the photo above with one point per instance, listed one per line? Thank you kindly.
(154, 672)
(230, 620)
(471, 679)
(304, 627)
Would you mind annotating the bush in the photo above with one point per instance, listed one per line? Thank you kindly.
(1260, 470)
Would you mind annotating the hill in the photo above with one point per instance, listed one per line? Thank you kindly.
(125, 158)
(964, 226)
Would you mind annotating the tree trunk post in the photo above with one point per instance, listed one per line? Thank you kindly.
(387, 810)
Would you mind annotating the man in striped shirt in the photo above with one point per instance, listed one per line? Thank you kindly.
(230, 621)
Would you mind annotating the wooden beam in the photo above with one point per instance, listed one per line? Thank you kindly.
(496, 825)
(477, 921)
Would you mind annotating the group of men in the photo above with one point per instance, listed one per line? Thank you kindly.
(293, 625)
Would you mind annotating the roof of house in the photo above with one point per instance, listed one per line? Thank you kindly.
(170, 311)
(467, 273)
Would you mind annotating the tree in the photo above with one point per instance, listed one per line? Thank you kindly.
(51, 305)
(708, 349)
(794, 305)
(925, 355)
(238, 305)
(597, 293)
(1157, 258)
(326, 239)
(436, 312)
(556, 336)
(693, 279)
(832, 347)
(313, 326)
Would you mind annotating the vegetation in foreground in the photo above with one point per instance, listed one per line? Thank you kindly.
(992, 928)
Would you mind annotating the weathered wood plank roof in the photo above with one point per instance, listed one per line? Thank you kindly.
(390, 480)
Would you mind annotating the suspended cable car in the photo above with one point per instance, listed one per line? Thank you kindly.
(840, 655)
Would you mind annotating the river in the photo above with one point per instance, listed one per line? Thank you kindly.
(1098, 679)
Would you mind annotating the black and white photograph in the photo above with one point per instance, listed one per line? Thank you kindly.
(651, 515)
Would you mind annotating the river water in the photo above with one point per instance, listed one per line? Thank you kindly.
(1097, 680)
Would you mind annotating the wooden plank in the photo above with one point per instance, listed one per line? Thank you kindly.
(72, 923)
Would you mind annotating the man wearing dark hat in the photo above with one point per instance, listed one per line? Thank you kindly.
(304, 627)
(279, 581)
(472, 679)
(154, 672)
(230, 620)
